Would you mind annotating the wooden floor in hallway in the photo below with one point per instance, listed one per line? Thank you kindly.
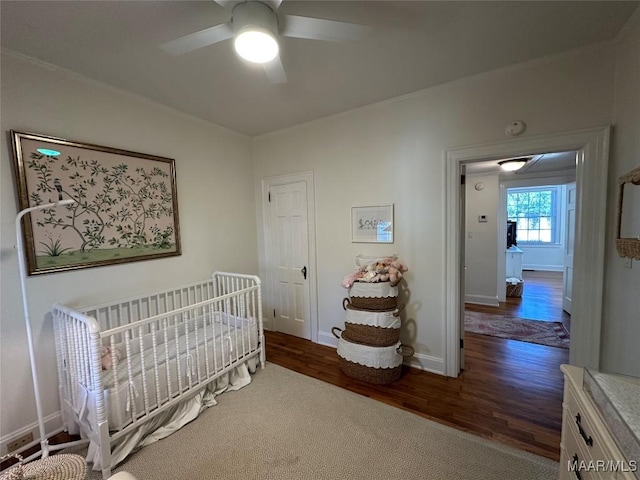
(510, 391)
(541, 299)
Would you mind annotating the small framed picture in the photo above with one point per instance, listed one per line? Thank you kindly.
(372, 224)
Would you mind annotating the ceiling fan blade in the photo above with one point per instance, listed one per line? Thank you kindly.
(275, 71)
(229, 4)
(200, 39)
(321, 29)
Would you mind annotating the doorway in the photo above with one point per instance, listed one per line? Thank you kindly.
(534, 203)
(591, 186)
(290, 254)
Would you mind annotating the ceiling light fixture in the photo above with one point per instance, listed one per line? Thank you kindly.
(255, 26)
(513, 164)
(256, 45)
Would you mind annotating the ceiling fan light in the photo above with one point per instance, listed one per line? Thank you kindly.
(513, 164)
(256, 45)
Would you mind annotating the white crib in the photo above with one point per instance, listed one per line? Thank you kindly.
(165, 349)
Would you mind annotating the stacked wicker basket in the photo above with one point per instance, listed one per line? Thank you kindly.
(369, 348)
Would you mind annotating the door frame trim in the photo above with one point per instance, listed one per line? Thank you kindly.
(269, 294)
(591, 181)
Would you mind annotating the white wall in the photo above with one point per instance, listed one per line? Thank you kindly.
(543, 257)
(481, 239)
(214, 172)
(621, 323)
(393, 152)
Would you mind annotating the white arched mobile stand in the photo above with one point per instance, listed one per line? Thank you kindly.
(45, 448)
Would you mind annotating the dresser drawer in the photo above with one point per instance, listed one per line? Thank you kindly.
(588, 448)
(575, 463)
(587, 435)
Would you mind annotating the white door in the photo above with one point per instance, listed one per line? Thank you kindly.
(570, 233)
(463, 266)
(290, 258)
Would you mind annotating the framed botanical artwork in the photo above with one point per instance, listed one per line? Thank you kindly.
(372, 224)
(124, 209)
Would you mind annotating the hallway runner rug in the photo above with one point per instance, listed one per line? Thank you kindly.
(552, 334)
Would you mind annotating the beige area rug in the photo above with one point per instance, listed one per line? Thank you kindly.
(285, 425)
(552, 334)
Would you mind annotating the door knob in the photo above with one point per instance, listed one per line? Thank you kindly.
(304, 272)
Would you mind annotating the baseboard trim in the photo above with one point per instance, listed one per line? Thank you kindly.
(52, 425)
(428, 363)
(482, 300)
(543, 268)
(327, 339)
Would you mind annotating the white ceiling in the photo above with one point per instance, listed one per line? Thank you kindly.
(412, 46)
(537, 164)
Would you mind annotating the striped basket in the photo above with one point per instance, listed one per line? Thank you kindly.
(379, 328)
(374, 296)
(377, 365)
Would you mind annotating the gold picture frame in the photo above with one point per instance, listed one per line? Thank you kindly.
(125, 205)
(627, 247)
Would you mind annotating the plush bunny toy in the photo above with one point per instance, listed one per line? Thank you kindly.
(109, 357)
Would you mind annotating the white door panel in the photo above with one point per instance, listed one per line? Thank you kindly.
(291, 258)
(567, 288)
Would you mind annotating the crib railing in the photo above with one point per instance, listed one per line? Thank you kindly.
(161, 349)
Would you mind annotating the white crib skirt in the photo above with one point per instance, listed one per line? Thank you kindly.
(175, 418)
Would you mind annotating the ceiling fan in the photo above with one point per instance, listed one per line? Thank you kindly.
(255, 26)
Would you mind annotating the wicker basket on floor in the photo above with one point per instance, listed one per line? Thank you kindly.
(63, 466)
(379, 328)
(377, 376)
(515, 289)
(377, 365)
(374, 296)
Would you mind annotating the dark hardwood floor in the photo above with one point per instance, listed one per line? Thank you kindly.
(510, 391)
(541, 299)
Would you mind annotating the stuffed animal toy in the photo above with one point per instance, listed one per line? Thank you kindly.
(400, 266)
(395, 275)
(109, 357)
(348, 279)
(382, 277)
(369, 275)
(355, 275)
(378, 270)
(396, 269)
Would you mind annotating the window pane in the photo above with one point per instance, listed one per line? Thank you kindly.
(545, 223)
(534, 209)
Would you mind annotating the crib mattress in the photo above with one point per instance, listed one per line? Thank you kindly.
(184, 361)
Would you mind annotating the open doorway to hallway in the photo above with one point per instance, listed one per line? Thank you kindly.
(592, 146)
(525, 213)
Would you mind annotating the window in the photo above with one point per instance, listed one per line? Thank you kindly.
(535, 211)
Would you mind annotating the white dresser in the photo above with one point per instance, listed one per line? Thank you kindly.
(599, 433)
(514, 262)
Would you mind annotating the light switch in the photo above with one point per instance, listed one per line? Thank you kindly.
(482, 219)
